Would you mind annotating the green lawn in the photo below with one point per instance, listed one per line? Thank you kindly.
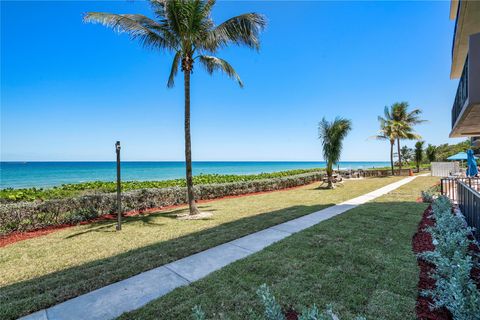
(41, 272)
(360, 261)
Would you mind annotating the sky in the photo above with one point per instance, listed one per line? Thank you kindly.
(69, 90)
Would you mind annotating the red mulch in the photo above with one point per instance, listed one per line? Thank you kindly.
(24, 235)
(421, 242)
(291, 314)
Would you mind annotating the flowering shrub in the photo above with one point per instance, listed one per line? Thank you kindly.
(273, 311)
(453, 260)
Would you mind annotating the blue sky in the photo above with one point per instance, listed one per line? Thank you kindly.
(69, 89)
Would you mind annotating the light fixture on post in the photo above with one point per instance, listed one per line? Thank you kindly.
(119, 194)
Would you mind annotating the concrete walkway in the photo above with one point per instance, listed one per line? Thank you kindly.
(111, 301)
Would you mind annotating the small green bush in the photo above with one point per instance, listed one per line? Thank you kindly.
(273, 310)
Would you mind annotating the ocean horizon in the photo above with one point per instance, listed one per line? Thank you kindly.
(44, 174)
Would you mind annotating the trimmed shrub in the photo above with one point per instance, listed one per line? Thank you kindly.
(10, 195)
(24, 216)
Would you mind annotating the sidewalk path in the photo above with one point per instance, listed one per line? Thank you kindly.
(111, 301)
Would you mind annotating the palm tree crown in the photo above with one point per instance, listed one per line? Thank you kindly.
(185, 28)
(401, 123)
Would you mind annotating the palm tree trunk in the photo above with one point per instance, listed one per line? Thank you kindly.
(188, 147)
(329, 175)
(391, 157)
(399, 158)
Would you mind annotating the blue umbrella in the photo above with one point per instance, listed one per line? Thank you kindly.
(471, 164)
(459, 156)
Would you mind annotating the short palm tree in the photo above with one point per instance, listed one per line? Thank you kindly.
(419, 153)
(406, 154)
(332, 135)
(431, 153)
(185, 29)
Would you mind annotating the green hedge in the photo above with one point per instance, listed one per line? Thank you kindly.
(77, 189)
(24, 216)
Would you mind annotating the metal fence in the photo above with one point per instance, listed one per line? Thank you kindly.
(448, 186)
(469, 204)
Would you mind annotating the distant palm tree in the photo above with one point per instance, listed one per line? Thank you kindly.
(332, 135)
(407, 154)
(185, 28)
(419, 153)
(431, 153)
(407, 119)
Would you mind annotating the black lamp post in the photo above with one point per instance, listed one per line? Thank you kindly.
(119, 196)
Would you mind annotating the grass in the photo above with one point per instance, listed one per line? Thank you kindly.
(360, 261)
(41, 272)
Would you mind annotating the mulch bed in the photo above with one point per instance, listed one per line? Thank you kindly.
(17, 236)
(291, 314)
(421, 242)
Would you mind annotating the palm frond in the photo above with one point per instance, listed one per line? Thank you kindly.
(174, 69)
(241, 30)
(207, 8)
(136, 25)
(212, 64)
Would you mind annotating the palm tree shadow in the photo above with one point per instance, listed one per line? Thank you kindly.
(174, 214)
(94, 229)
(324, 186)
(108, 226)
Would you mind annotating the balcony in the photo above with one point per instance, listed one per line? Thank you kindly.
(466, 106)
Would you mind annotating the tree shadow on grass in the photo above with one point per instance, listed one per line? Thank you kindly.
(104, 227)
(146, 218)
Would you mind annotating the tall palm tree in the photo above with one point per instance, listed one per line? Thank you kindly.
(407, 119)
(419, 153)
(332, 135)
(388, 132)
(185, 29)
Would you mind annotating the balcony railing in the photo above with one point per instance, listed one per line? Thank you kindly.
(455, 28)
(462, 94)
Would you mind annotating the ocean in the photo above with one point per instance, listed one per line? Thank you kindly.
(49, 174)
